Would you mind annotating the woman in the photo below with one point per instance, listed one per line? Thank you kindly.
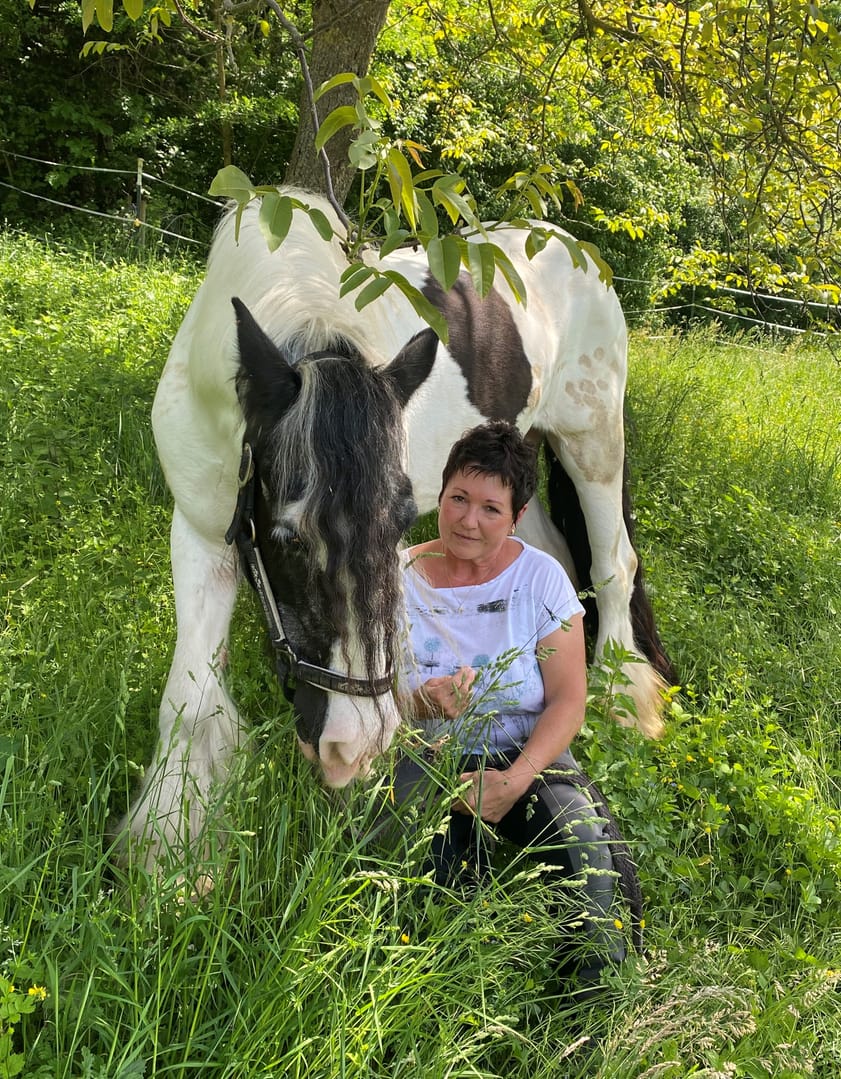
(495, 659)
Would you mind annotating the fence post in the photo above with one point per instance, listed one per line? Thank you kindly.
(140, 204)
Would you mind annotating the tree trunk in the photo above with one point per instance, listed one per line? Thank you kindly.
(344, 36)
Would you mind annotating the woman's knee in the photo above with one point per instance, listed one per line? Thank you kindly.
(577, 823)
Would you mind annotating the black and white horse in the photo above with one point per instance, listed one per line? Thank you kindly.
(347, 418)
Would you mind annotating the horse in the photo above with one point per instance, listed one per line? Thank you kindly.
(313, 433)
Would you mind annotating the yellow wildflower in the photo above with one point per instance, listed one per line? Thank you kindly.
(405, 938)
(37, 991)
(618, 923)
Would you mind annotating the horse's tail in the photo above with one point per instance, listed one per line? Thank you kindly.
(568, 518)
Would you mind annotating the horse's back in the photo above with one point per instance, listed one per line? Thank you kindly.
(569, 332)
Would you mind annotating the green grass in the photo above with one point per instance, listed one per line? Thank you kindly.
(323, 951)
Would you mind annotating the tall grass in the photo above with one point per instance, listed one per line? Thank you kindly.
(323, 950)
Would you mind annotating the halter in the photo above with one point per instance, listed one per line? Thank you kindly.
(290, 667)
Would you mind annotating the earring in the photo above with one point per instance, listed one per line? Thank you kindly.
(513, 530)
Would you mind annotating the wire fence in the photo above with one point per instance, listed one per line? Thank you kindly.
(133, 220)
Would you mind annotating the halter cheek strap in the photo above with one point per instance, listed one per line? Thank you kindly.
(290, 667)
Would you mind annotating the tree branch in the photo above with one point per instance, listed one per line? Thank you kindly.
(200, 31)
(593, 22)
(301, 49)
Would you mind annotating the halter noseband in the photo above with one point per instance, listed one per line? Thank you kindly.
(290, 667)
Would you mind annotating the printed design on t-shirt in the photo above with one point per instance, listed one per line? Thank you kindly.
(432, 645)
(448, 633)
(494, 606)
(554, 619)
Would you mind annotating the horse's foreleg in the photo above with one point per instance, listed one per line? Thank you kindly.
(596, 469)
(199, 724)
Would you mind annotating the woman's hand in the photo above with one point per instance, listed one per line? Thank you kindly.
(449, 695)
(492, 793)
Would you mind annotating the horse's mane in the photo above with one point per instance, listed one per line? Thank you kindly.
(293, 292)
(344, 437)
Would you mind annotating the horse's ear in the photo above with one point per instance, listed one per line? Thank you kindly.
(411, 366)
(266, 383)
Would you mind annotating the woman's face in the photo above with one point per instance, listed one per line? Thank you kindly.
(474, 516)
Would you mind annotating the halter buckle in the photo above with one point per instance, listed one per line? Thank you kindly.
(246, 465)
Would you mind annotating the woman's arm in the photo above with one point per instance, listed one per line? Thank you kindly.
(564, 669)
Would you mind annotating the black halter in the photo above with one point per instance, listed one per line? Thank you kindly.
(290, 668)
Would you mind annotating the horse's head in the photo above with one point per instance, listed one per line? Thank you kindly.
(331, 505)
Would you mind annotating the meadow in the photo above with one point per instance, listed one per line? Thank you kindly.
(321, 953)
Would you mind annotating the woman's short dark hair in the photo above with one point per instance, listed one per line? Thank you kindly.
(495, 449)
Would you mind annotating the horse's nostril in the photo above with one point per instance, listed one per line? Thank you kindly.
(308, 750)
(337, 754)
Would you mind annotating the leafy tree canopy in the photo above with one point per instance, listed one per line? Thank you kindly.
(707, 133)
(697, 143)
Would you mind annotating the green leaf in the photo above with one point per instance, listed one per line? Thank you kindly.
(605, 271)
(427, 174)
(369, 85)
(342, 79)
(393, 240)
(88, 9)
(576, 253)
(13, 1065)
(480, 262)
(401, 184)
(538, 206)
(105, 14)
(353, 277)
(444, 194)
(343, 116)
(444, 257)
(321, 222)
(362, 152)
(232, 183)
(509, 272)
(426, 310)
(535, 242)
(275, 218)
(390, 217)
(546, 187)
(133, 8)
(372, 291)
(428, 216)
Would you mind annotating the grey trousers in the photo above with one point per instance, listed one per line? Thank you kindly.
(555, 821)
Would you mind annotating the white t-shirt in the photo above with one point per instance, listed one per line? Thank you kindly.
(494, 627)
